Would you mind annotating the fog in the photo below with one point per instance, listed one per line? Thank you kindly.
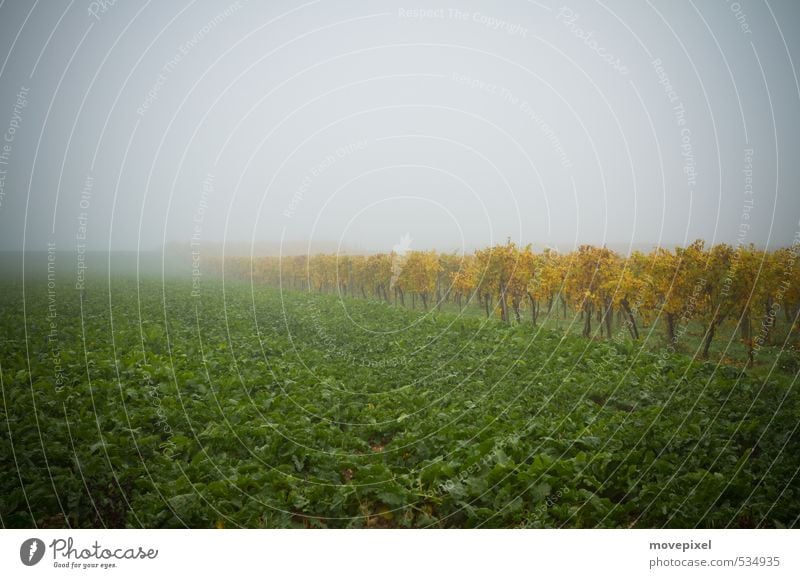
(330, 126)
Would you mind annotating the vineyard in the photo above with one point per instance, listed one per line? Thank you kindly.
(747, 290)
(416, 390)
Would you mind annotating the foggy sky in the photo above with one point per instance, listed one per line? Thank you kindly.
(131, 125)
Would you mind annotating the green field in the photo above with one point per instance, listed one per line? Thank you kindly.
(727, 348)
(140, 405)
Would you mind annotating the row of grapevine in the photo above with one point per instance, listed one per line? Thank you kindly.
(743, 285)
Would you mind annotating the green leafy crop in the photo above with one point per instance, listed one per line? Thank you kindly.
(142, 406)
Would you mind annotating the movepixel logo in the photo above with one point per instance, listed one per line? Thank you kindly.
(32, 551)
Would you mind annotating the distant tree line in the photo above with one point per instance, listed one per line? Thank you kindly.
(750, 287)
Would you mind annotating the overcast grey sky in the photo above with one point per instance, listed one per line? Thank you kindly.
(130, 124)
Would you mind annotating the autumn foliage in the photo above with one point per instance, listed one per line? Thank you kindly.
(608, 293)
